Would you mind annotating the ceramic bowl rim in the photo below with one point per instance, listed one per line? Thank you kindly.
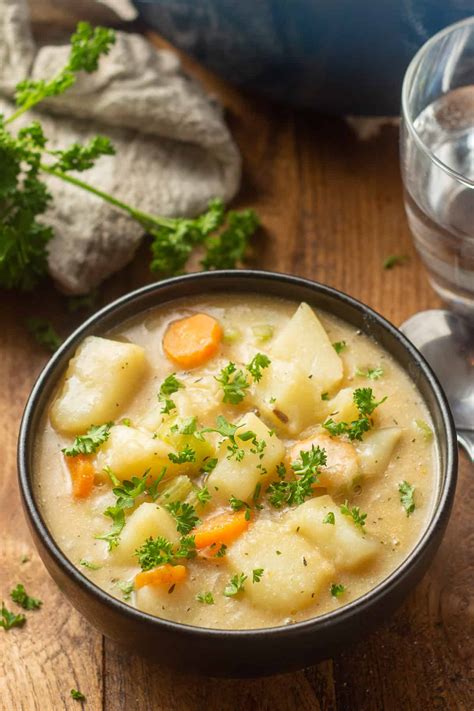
(361, 604)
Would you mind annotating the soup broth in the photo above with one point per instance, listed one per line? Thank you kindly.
(235, 462)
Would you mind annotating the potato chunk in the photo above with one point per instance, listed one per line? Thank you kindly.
(341, 543)
(100, 380)
(147, 520)
(130, 452)
(288, 397)
(304, 341)
(376, 450)
(342, 465)
(239, 479)
(342, 407)
(294, 573)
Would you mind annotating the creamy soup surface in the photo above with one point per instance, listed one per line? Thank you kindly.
(266, 492)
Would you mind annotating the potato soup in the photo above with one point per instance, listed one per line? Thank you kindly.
(235, 462)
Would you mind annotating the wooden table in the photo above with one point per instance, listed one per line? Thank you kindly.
(332, 210)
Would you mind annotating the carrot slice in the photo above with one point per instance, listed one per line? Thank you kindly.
(162, 575)
(191, 341)
(82, 474)
(221, 529)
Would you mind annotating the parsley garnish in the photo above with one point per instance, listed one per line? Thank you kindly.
(19, 596)
(126, 587)
(8, 619)
(209, 465)
(222, 551)
(90, 442)
(257, 574)
(25, 155)
(366, 404)
(257, 364)
(155, 551)
(77, 695)
(169, 386)
(234, 384)
(187, 548)
(184, 515)
(339, 346)
(88, 564)
(44, 333)
(206, 598)
(203, 495)
(118, 522)
(407, 497)
(371, 373)
(337, 589)
(324, 396)
(306, 469)
(329, 518)
(185, 455)
(236, 585)
(237, 504)
(354, 513)
(393, 260)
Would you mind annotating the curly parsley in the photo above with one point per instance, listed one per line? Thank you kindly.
(8, 619)
(19, 596)
(407, 497)
(258, 363)
(306, 469)
(234, 384)
(236, 585)
(184, 514)
(357, 517)
(90, 442)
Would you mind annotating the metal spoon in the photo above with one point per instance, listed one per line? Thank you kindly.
(446, 340)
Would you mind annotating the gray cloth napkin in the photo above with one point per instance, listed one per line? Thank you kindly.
(174, 151)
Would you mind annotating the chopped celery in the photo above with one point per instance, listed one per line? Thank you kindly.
(425, 429)
(231, 334)
(176, 490)
(263, 332)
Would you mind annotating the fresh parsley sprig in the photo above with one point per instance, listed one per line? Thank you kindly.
(235, 585)
(169, 386)
(407, 497)
(184, 514)
(354, 513)
(234, 384)
(19, 595)
(24, 197)
(8, 619)
(90, 442)
(355, 430)
(306, 469)
(258, 363)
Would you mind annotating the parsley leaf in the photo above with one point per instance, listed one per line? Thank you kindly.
(354, 513)
(185, 455)
(116, 513)
(19, 596)
(206, 598)
(209, 465)
(234, 384)
(257, 364)
(366, 404)
(203, 495)
(236, 585)
(126, 587)
(306, 469)
(9, 619)
(365, 401)
(339, 346)
(329, 518)
(393, 260)
(77, 695)
(155, 551)
(90, 442)
(337, 589)
(371, 373)
(44, 333)
(169, 386)
(407, 497)
(257, 574)
(184, 514)
(89, 565)
(225, 250)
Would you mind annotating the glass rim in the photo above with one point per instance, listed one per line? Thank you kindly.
(407, 83)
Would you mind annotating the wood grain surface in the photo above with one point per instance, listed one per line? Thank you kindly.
(332, 210)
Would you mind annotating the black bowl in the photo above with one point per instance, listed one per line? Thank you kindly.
(242, 652)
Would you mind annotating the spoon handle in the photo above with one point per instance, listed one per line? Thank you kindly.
(466, 440)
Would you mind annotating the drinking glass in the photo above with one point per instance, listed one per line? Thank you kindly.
(437, 161)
